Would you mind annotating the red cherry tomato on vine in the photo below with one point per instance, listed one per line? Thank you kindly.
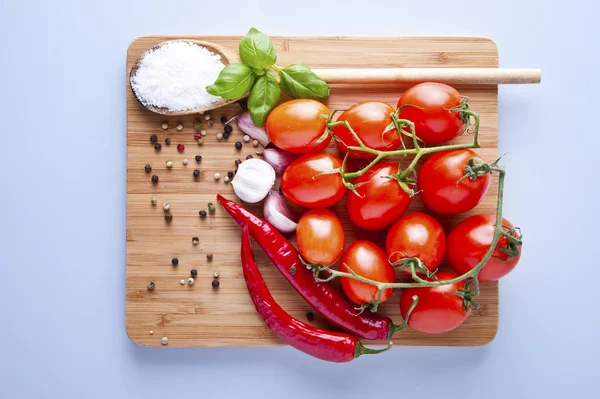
(367, 260)
(320, 237)
(468, 242)
(416, 235)
(431, 111)
(380, 201)
(304, 183)
(368, 120)
(439, 310)
(296, 125)
(439, 184)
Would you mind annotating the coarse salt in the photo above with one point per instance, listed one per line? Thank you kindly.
(175, 76)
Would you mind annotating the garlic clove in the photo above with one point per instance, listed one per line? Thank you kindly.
(278, 159)
(245, 124)
(253, 180)
(277, 213)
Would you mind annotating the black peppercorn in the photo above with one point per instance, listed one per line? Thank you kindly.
(167, 141)
(198, 158)
(153, 138)
(209, 256)
(194, 272)
(168, 217)
(175, 261)
(310, 316)
(249, 157)
(148, 168)
(216, 283)
(154, 179)
(157, 146)
(196, 173)
(228, 129)
(230, 174)
(223, 119)
(238, 145)
(202, 213)
(226, 135)
(238, 162)
(243, 105)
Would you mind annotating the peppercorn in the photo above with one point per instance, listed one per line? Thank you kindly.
(203, 132)
(238, 162)
(195, 240)
(219, 136)
(179, 127)
(153, 200)
(200, 141)
(215, 283)
(243, 104)
(168, 141)
(226, 135)
(211, 208)
(207, 117)
(197, 124)
(198, 158)
(255, 143)
(164, 340)
(175, 261)
(190, 281)
(180, 147)
(249, 157)
(154, 179)
(226, 179)
(211, 122)
(196, 173)
(166, 207)
(217, 176)
(202, 213)
(185, 161)
(164, 126)
(216, 274)
(148, 168)
(223, 120)
(157, 146)
(168, 217)
(197, 136)
(230, 174)
(169, 164)
(182, 282)
(194, 272)
(151, 285)
(228, 129)
(310, 316)
(238, 145)
(209, 257)
(246, 138)
(153, 138)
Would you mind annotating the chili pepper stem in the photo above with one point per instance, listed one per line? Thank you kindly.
(363, 350)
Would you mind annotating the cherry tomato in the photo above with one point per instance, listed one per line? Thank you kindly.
(438, 310)
(416, 235)
(468, 242)
(439, 184)
(380, 201)
(296, 125)
(304, 184)
(367, 260)
(320, 237)
(435, 122)
(368, 120)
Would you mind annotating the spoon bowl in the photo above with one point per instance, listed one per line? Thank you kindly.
(226, 58)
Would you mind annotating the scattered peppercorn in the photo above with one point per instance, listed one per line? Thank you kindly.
(151, 285)
(226, 135)
(169, 164)
(166, 207)
(151, 332)
(207, 117)
(255, 143)
(211, 208)
(168, 141)
(196, 173)
(154, 179)
(195, 240)
(198, 158)
(194, 272)
(168, 217)
(209, 256)
(246, 138)
(238, 145)
(223, 119)
(197, 124)
(215, 283)
(164, 126)
(310, 316)
(228, 129)
(174, 261)
(197, 136)
(219, 136)
(217, 176)
(200, 141)
(210, 123)
(230, 174)
(216, 274)
(249, 157)
(179, 127)
(180, 147)
(238, 162)
(243, 104)
(157, 146)
(153, 200)
(185, 161)
(164, 340)
(203, 133)
(148, 168)
(153, 138)
(226, 179)
(202, 213)
(190, 281)
(182, 282)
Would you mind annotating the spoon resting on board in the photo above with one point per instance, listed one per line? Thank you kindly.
(473, 76)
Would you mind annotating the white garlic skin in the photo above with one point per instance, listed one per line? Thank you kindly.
(253, 180)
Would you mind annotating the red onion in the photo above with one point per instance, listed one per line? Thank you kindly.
(277, 158)
(278, 214)
(244, 122)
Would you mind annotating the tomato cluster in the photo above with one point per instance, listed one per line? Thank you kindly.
(450, 181)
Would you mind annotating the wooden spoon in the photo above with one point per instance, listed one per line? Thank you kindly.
(474, 76)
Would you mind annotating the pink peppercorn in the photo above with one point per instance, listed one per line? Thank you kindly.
(180, 147)
(197, 136)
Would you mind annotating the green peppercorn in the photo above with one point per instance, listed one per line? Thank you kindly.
(211, 208)
(216, 274)
(200, 141)
(197, 125)
(151, 285)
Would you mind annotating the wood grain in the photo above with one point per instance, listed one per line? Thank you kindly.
(199, 315)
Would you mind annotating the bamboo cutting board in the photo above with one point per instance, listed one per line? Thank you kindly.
(199, 315)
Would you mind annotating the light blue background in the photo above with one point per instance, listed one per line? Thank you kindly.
(62, 235)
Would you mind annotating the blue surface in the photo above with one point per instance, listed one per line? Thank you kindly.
(62, 234)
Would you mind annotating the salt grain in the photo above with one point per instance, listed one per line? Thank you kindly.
(175, 76)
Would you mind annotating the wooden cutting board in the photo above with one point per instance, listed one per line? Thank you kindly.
(199, 315)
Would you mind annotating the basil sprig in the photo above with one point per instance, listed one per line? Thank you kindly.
(257, 75)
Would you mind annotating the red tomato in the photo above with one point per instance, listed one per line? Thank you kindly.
(434, 121)
(380, 201)
(296, 125)
(438, 178)
(304, 184)
(368, 120)
(320, 237)
(416, 235)
(438, 310)
(367, 260)
(468, 242)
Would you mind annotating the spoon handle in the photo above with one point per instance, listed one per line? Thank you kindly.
(477, 76)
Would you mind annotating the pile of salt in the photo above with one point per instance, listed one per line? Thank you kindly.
(175, 76)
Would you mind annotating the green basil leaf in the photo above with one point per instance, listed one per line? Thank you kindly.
(263, 98)
(257, 50)
(298, 81)
(233, 82)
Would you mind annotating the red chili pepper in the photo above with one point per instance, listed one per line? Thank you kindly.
(322, 344)
(321, 296)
